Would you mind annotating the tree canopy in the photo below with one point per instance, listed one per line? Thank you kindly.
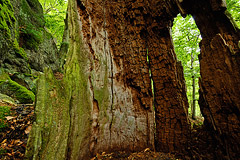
(55, 13)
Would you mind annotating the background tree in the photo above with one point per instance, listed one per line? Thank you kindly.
(186, 37)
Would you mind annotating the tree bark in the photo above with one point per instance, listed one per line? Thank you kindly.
(220, 73)
(104, 101)
(171, 105)
(106, 94)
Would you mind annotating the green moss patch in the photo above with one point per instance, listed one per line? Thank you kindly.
(7, 18)
(31, 36)
(27, 80)
(4, 111)
(22, 94)
(15, 90)
(20, 51)
(31, 23)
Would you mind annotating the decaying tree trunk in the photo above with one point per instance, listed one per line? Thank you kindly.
(220, 73)
(172, 127)
(106, 89)
(105, 102)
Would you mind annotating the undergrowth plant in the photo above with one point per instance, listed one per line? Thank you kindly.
(4, 111)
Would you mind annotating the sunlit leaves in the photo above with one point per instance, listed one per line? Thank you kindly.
(55, 13)
(186, 38)
(233, 7)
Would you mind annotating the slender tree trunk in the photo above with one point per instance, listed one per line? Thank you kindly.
(193, 90)
(194, 99)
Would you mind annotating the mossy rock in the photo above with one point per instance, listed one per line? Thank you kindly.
(31, 36)
(31, 24)
(20, 51)
(7, 18)
(22, 94)
(15, 90)
(6, 99)
(27, 80)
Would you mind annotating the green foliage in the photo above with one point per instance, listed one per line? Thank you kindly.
(4, 111)
(54, 14)
(233, 6)
(2, 151)
(7, 18)
(186, 38)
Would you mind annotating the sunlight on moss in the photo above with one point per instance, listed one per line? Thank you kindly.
(7, 18)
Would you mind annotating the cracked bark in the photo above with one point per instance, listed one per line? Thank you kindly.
(106, 94)
(220, 73)
(109, 92)
(117, 32)
(172, 127)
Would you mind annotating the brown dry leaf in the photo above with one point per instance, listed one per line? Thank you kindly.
(20, 143)
(12, 127)
(9, 117)
(17, 141)
(9, 154)
(147, 150)
(24, 145)
(28, 129)
(5, 140)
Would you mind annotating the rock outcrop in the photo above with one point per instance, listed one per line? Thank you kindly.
(26, 48)
(24, 43)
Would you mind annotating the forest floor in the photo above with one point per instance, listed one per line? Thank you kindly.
(13, 139)
(147, 154)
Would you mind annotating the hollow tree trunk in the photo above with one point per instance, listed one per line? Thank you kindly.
(105, 102)
(131, 28)
(220, 73)
(172, 128)
(171, 105)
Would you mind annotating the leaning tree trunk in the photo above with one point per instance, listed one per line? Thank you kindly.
(220, 73)
(104, 101)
